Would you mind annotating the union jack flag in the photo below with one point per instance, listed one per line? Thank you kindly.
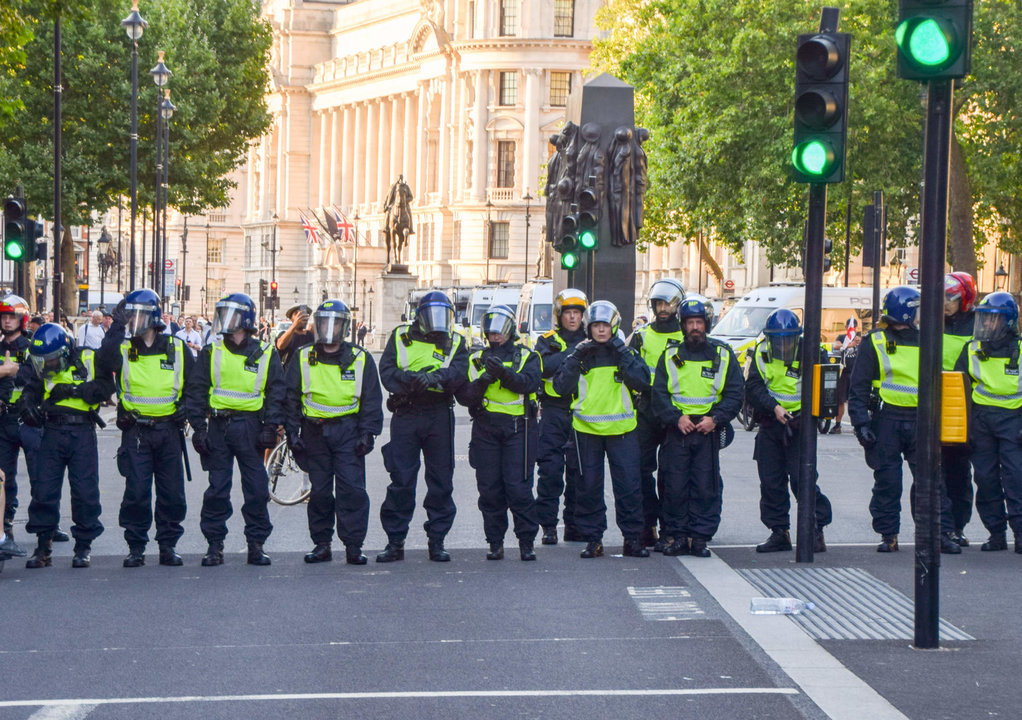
(311, 233)
(345, 230)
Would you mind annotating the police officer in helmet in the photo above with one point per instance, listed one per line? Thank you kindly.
(422, 366)
(334, 412)
(235, 403)
(991, 360)
(62, 397)
(959, 302)
(774, 389)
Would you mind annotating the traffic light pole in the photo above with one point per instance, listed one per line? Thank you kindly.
(806, 533)
(936, 167)
(58, 91)
(879, 248)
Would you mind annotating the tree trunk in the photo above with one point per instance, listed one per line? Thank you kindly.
(961, 249)
(69, 281)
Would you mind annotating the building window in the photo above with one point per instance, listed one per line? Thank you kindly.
(500, 234)
(248, 251)
(215, 250)
(564, 18)
(508, 17)
(508, 88)
(560, 88)
(505, 164)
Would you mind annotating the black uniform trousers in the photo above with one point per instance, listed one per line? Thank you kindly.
(958, 482)
(590, 508)
(557, 466)
(502, 452)
(651, 434)
(997, 461)
(338, 478)
(692, 486)
(13, 437)
(233, 439)
(896, 438)
(148, 455)
(776, 456)
(428, 430)
(71, 448)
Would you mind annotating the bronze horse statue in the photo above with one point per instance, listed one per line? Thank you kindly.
(398, 227)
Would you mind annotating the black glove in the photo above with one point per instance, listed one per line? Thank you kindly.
(495, 368)
(180, 417)
(417, 382)
(200, 441)
(1018, 438)
(583, 348)
(297, 444)
(267, 437)
(65, 391)
(32, 416)
(618, 344)
(120, 313)
(365, 444)
(866, 437)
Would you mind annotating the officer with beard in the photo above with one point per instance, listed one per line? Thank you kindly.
(698, 390)
(959, 300)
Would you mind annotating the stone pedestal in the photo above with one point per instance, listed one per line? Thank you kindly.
(391, 295)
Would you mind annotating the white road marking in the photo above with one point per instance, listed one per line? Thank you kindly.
(74, 711)
(666, 692)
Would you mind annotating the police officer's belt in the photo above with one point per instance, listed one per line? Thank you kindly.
(220, 414)
(328, 421)
(67, 419)
(145, 421)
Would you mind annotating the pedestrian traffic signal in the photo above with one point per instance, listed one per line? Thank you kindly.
(262, 290)
(934, 39)
(821, 107)
(273, 289)
(20, 232)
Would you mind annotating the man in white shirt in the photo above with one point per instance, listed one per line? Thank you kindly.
(90, 335)
(190, 336)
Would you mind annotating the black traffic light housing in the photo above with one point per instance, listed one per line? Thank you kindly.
(934, 39)
(588, 230)
(20, 232)
(821, 107)
(828, 245)
(273, 288)
(262, 290)
(567, 245)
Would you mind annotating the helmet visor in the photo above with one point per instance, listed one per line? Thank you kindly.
(51, 363)
(435, 318)
(229, 317)
(498, 322)
(330, 328)
(989, 326)
(782, 347)
(139, 320)
(667, 293)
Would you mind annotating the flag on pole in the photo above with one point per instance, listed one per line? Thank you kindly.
(345, 230)
(311, 233)
(850, 331)
(331, 225)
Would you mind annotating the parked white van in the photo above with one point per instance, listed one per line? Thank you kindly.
(484, 296)
(535, 310)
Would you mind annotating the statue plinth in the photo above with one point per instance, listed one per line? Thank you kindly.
(396, 269)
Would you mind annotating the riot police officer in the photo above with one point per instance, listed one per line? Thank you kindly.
(62, 397)
(697, 391)
(557, 460)
(602, 373)
(991, 359)
(334, 411)
(959, 301)
(774, 389)
(650, 340)
(422, 366)
(500, 396)
(882, 400)
(150, 371)
(237, 386)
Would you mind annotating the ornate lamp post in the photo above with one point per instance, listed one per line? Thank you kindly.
(134, 25)
(161, 76)
(1000, 277)
(527, 198)
(167, 109)
(488, 239)
(105, 260)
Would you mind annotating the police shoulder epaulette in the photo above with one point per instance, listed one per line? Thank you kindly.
(549, 334)
(674, 342)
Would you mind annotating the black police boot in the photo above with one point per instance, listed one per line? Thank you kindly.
(594, 549)
(550, 536)
(61, 536)
(698, 548)
(353, 555)
(997, 541)
(256, 556)
(496, 551)
(819, 543)
(169, 556)
(634, 547)
(437, 552)
(83, 555)
(948, 546)
(136, 556)
(526, 550)
(648, 538)
(392, 553)
(888, 544)
(665, 541)
(959, 537)
(320, 553)
(779, 541)
(214, 554)
(679, 546)
(11, 549)
(42, 556)
(571, 534)
(1018, 545)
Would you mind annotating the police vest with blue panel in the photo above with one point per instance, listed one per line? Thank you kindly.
(997, 381)
(238, 381)
(151, 385)
(696, 385)
(497, 398)
(899, 371)
(327, 390)
(82, 371)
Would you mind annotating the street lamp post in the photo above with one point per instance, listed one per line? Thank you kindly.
(273, 268)
(134, 25)
(161, 76)
(488, 238)
(205, 277)
(167, 109)
(1000, 277)
(103, 257)
(354, 270)
(527, 198)
(371, 293)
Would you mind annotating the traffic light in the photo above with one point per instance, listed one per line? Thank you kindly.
(273, 288)
(20, 232)
(828, 245)
(568, 245)
(262, 290)
(821, 107)
(934, 39)
(588, 221)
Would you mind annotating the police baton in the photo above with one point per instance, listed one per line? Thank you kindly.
(184, 454)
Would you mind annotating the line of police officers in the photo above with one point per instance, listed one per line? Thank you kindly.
(662, 403)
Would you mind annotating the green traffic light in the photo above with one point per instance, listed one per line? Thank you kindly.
(569, 260)
(587, 239)
(14, 250)
(925, 42)
(814, 157)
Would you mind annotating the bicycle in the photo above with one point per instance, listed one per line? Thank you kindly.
(289, 484)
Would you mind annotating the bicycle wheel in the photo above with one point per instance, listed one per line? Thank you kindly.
(745, 417)
(289, 484)
(823, 425)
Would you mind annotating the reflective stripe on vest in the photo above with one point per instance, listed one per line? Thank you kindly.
(689, 379)
(87, 360)
(147, 386)
(229, 391)
(498, 399)
(994, 387)
(603, 406)
(899, 374)
(322, 381)
(653, 346)
(786, 390)
(423, 355)
(952, 348)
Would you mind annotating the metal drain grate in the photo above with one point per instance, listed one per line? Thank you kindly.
(665, 603)
(850, 603)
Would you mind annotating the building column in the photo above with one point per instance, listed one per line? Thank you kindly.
(317, 157)
(461, 141)
(409, 146)
(383, 179)
(421, 146)
(530, 166)
(397, 121)
(444, 140)
(358, 174)
(344, 158)
(372, 134)
(480, 143)
(335, 144)
(324, 159)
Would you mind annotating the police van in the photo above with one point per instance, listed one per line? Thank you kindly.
(482, 298)
(535, 310)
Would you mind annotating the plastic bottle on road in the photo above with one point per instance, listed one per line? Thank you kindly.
(778, 606)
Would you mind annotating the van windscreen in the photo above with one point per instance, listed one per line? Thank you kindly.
(743, 322)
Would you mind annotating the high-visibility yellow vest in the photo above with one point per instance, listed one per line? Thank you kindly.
(416, 355)
(604, 405)
(330, 391)
(696, 385)
(952, 348)
(899, 371)
(654, 344)
(558, 343)
(151, 385)
(86, 364)
(19, 357)
(784, 383)
(997, 380)
(236, 383)
(497, 398)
